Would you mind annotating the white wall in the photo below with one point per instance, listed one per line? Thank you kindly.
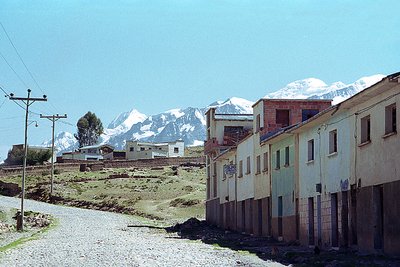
(328, 169)
(379, 161)
(245, 184)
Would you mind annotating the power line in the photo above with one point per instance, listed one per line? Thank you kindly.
(23, 62)
(16, 74)
(18, 104)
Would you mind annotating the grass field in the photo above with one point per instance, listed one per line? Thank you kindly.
(167, 194)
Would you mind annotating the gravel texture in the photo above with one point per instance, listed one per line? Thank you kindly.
(95, 238)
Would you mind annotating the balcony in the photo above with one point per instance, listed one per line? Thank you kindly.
(232, 138)
(210, 145)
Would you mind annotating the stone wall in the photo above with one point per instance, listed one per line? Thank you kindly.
(98, 165)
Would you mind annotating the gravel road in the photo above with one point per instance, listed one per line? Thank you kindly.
(95, 238)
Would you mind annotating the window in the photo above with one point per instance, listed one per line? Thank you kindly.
(310, 150)
(224, 173)
(366, 129)
(265, 161)
(258, 164)
(258, 122)
(332, 141)
(278, 159)
(215, 179)
(390, 119)
(131, 149)
(142, 149)
(176, 149)
(287, 156)
(308, 113)
(248, 165)
(241, 168)
(282, 117)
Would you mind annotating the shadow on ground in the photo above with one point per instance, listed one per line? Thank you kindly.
(269, 249)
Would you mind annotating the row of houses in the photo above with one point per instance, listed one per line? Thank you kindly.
(134, 150)
(304, 170)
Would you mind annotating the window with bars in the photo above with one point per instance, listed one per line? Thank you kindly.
(390, 119)
(265, 162)
(278, 160)
(248, 169)
(258, 164)
(287, 156)
(332, 141)
(310, 150)
(366, 129)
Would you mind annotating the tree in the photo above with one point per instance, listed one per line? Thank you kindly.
(34, 157)
(89, 129)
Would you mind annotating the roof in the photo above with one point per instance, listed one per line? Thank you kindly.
(226, 152)
(350, 102)
(157, 144)
(291, 100)
(97, 146)
(276, 134)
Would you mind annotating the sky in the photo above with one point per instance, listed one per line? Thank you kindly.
(112, 56)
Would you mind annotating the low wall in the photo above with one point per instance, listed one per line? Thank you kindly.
(97, 165)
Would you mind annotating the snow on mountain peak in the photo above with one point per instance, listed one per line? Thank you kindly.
(300, 89)
(127, 119)
(233, 105)
(367, 81)
(315, 88)
(177, 112)
(62, 141)
(189, 123)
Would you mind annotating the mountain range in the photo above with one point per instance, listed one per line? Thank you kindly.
(189, 123)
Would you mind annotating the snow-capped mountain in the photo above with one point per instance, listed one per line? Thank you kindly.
(63, 141)
(189, 123)
(122, 123)
(317, 89)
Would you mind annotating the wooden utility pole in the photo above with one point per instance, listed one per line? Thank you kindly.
(53, 118)
(27, 101)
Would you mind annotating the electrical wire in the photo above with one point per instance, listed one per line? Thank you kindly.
(19, 56)
(16, 74)
(23, 62)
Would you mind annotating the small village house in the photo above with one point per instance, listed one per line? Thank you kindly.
(145, 150)
(95, 152)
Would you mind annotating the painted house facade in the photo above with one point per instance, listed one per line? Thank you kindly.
(95, 152)
(244, 137)
(144, 150)
(329, 179)
(224, 132)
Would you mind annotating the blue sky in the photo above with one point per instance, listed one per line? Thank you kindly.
(112, 56)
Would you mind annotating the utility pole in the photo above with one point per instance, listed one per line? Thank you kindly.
(27, 101)
(53, 118)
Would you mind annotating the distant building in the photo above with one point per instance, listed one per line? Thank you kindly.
(144, 150)
(35, 148)
(95, 152)
(115, 155)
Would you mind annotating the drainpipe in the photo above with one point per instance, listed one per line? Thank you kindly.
(236, 212)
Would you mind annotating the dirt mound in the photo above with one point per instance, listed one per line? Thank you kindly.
(9, 189)
(179, 202)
